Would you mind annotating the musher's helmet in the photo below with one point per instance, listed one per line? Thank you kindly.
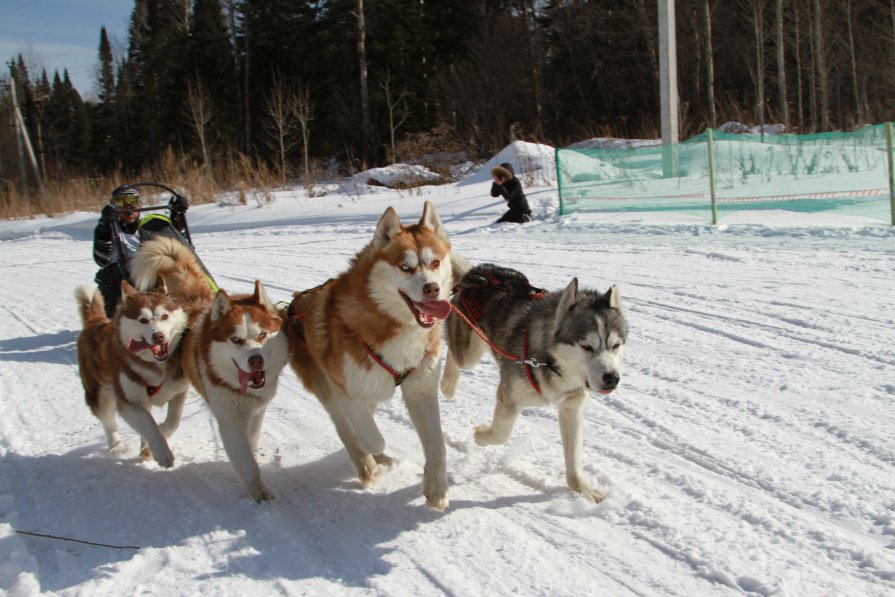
(126, 197)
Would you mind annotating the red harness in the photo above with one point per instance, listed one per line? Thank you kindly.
(524, 360)
(152, 390)
(398, 377)
(297, 318)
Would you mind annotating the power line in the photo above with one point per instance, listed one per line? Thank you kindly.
(20, 6)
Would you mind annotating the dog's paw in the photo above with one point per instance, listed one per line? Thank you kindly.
(448, 387)
(164, 460)
(483, 436)
(437, 504)
(384, 460)
(261, 493)
(436, 495)
(117, 447)
(595, 495)
(368, 471)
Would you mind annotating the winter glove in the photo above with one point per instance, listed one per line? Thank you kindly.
(178, 204)
(109, 215)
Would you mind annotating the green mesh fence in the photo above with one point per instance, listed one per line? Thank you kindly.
(715, 172)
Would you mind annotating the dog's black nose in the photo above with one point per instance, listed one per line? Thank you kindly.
(431, 290)
(611, 379)
(256, 363)
(158, 338)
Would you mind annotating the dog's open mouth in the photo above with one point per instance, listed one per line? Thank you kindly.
(159, 351)
(427, 313)
(250, 379)
(605, 391)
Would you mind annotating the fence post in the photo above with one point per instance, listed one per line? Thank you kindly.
(711, 144)
(891, 172)
(558, 179)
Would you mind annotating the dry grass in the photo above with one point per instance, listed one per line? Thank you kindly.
(249, 178)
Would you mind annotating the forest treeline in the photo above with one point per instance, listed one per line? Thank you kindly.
(294, 87)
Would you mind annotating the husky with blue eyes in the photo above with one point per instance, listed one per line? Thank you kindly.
(551, 348)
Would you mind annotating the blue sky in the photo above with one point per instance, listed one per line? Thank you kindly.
(58, 34)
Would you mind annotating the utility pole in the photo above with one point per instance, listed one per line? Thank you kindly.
(22, 136)
(668, 87)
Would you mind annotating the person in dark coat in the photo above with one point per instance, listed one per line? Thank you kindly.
(506, 185)
(121, 218)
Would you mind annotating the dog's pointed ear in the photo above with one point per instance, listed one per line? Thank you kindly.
(569, 299)
(220, 307)
(261, 297)
(431, 221)
(615, 297)
(160, 286)
(127, 291)
(388, 227)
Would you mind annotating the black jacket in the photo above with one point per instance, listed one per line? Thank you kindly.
(511, 191)
(103, 248)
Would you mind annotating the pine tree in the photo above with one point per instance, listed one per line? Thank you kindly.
(103, 114)
(209, 58)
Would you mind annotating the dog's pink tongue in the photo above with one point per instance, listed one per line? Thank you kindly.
(135, 346)
(244, 378)
(437, 309)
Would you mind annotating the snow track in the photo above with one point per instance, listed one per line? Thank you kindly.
(748, 450)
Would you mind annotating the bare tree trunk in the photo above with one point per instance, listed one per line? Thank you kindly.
(709, 63)
(535, 59)
(393, 105)
(757, 19)
(797, 32)
(813, 73)
(892, 17)
(240, 95)
(366, 127)
(304, 113)
(850, 29)
(820, 63)
(280, 107)
(782, 104)
(200, 114)
(247, 114)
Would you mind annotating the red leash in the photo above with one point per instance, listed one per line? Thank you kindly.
(528, 362)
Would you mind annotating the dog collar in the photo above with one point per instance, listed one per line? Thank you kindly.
(525, 361)
(152, 390)
(398, 377)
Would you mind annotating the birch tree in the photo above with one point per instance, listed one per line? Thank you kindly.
(199, 114)
(280, 124)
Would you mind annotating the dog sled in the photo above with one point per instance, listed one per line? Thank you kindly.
(165, 219)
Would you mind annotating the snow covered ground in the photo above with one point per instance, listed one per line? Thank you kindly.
(749, 449)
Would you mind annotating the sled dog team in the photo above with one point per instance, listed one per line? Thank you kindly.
(352, 341)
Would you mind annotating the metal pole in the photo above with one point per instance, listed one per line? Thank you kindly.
(668, 94)
(23, 176)
(24, 136)
(558, 180)
(711, 144)
(891, 172)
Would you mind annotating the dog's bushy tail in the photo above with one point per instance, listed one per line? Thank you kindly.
(90, 305)
(177, 264)
(459, 266)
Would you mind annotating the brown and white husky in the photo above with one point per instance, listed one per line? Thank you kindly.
(233, 354)
(373, 328)
(132, 362)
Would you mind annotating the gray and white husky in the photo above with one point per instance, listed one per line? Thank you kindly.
(551, 347)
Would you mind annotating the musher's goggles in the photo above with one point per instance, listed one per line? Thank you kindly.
(126, 201)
